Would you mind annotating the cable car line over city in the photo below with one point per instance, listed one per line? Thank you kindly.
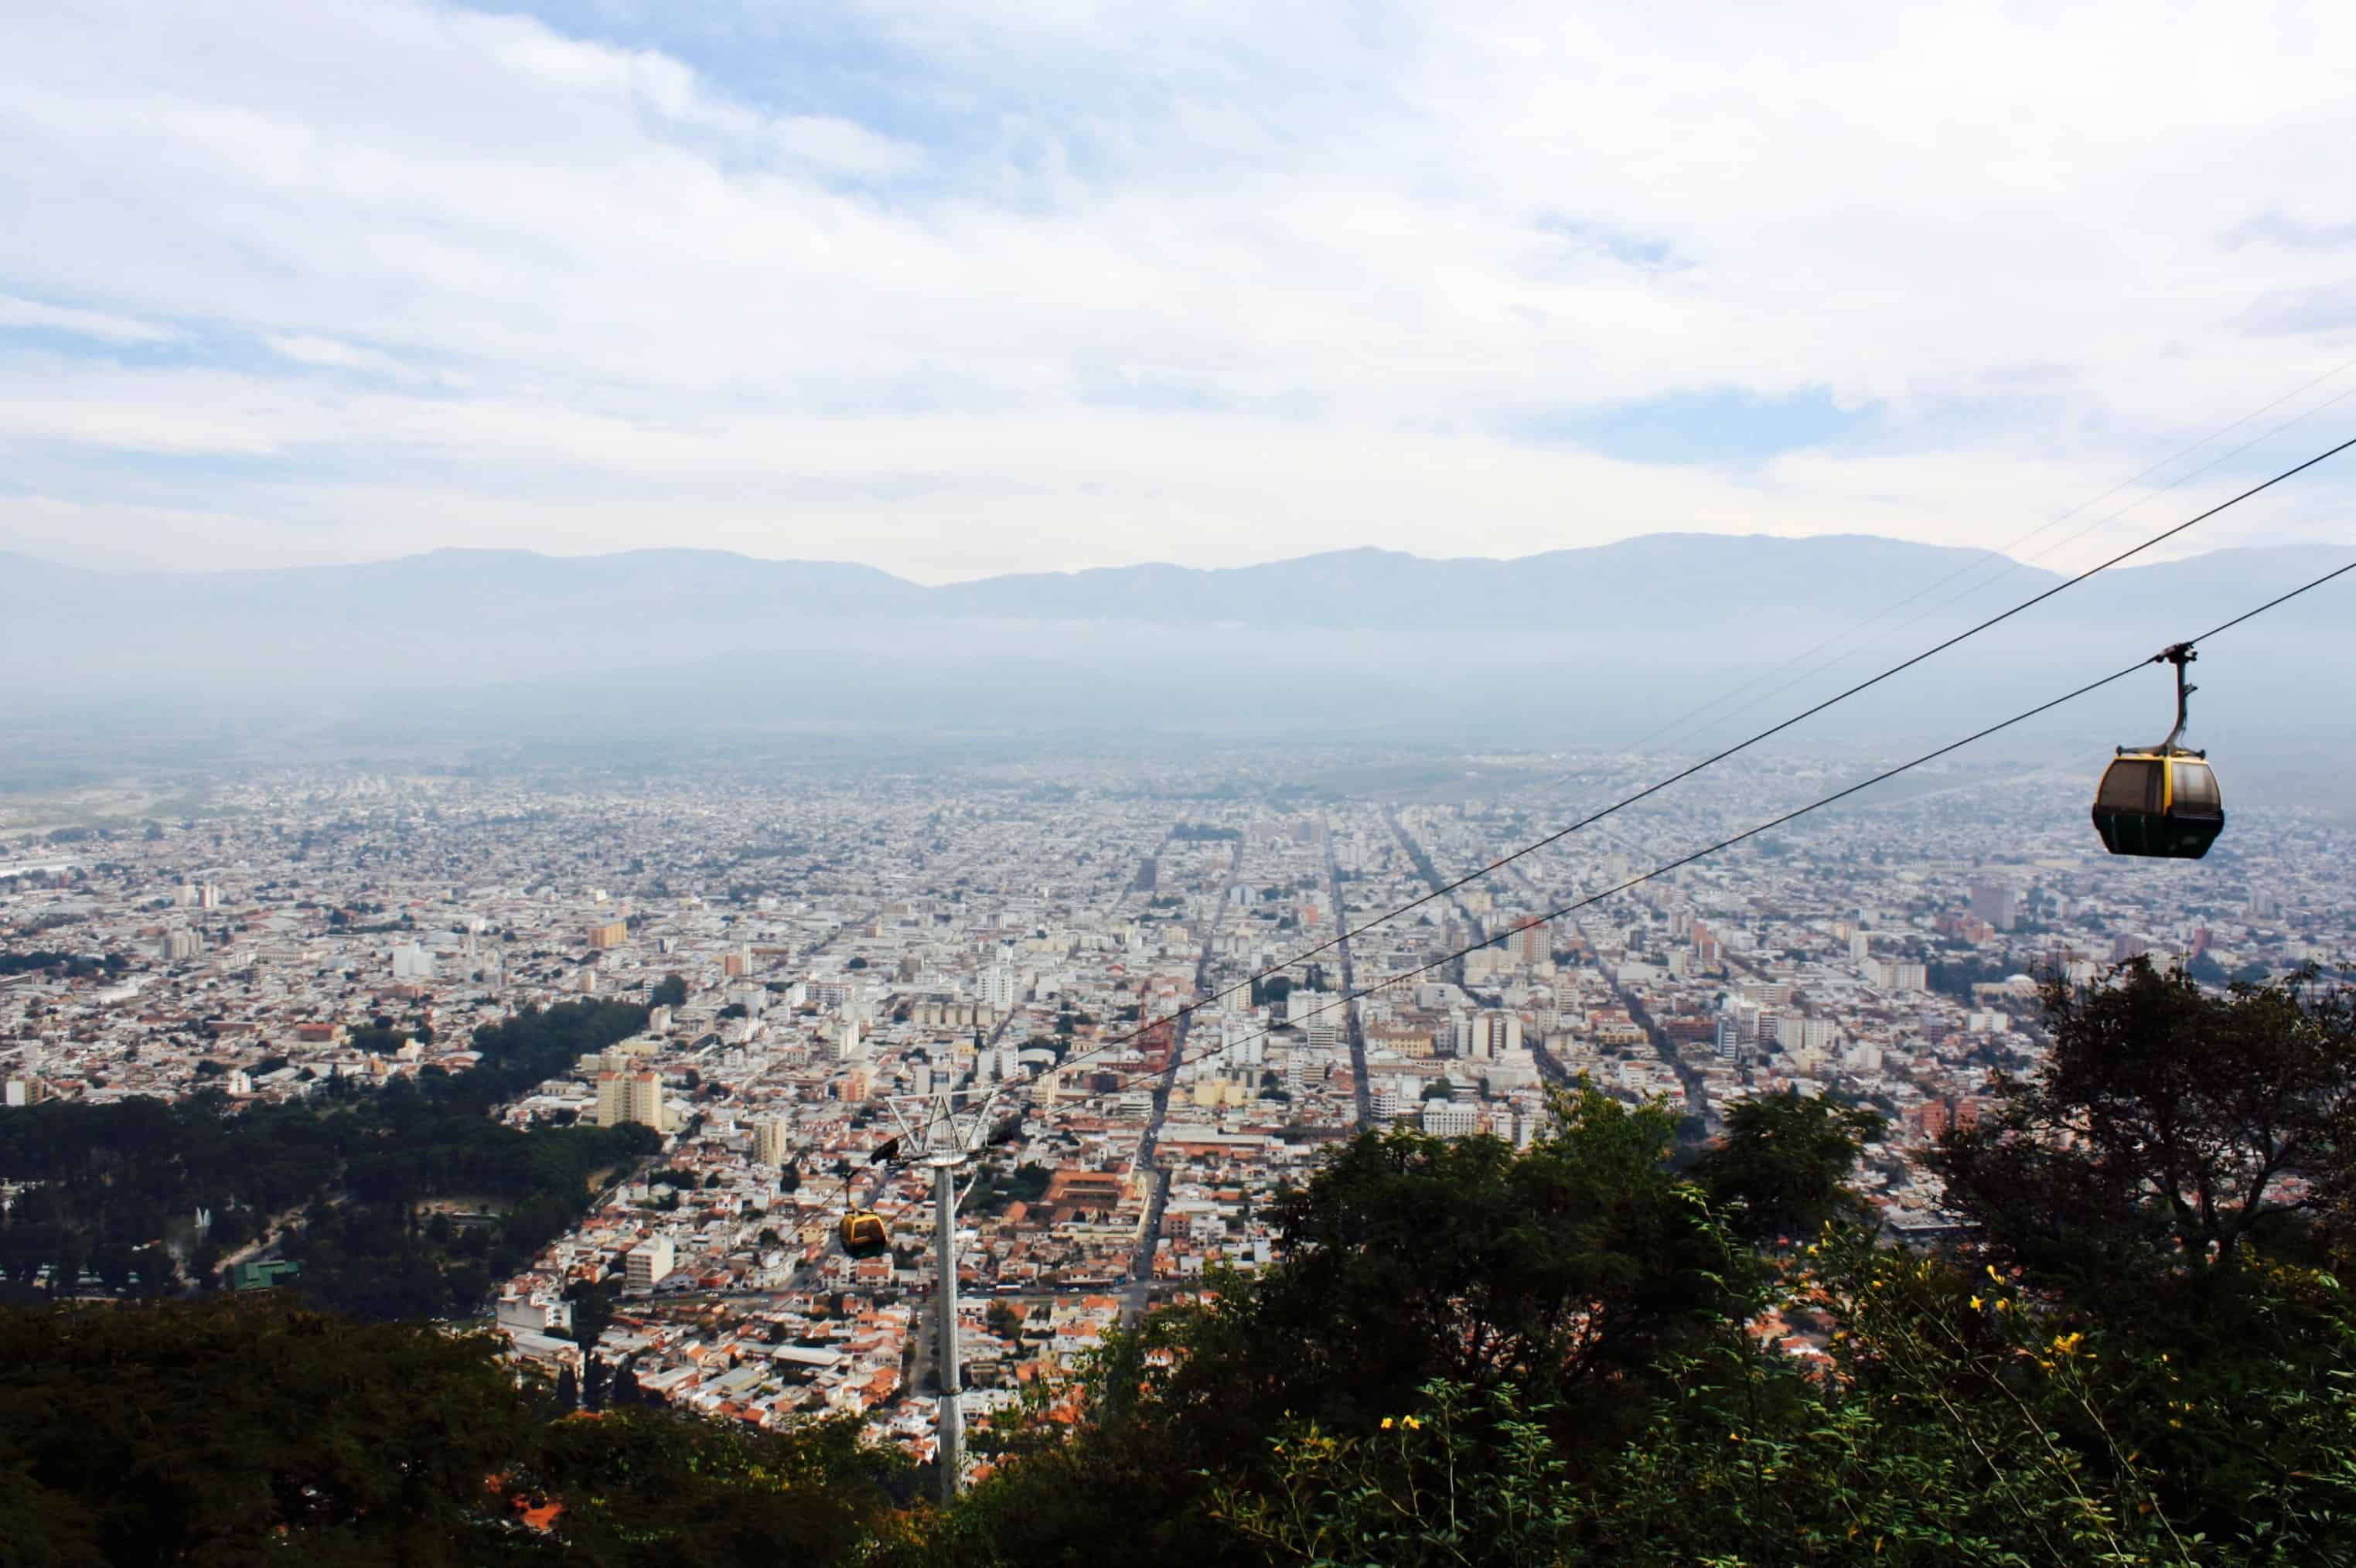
(1445, 959)
(1443, 890)
(948, 1136)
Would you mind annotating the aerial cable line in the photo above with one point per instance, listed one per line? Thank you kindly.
(1442, 892)
(2003, 552)
(1663, 869)
(2009, 567)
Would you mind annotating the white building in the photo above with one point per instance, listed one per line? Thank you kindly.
(1449, 1119)
(648, 1264)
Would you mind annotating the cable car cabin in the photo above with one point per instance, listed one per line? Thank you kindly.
(2159, 803)
(2161, 800)
(865, 1235)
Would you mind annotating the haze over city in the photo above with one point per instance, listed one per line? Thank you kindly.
(943, 784)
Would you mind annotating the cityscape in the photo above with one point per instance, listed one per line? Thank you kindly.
(932, 784)
(1168, 991)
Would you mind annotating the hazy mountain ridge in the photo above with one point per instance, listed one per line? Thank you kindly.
(1611, 640)
(1362, 586)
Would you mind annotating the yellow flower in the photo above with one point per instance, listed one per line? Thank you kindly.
(1976, 1303)
(1413, 1424)
(2067, 1344)
(1387, 1423)
(2004, 1306)
(1991, 1272)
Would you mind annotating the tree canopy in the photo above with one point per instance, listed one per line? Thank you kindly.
(222, 1431)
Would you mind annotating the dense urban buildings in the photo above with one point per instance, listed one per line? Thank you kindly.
(1165, 989)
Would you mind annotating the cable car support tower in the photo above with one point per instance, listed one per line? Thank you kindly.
(945, 1129)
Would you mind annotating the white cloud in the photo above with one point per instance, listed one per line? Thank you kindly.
(1213, 284)
(309, 348)
(80, 323)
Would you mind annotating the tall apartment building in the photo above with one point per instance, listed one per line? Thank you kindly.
(650, 1263)
(646, 1102)
(1490, 1034)
(770, 1142)
(1897, 975)
(624, 1096)
(606, 934)
(1997, 904)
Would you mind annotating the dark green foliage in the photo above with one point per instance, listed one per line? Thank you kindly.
(354, 1168)
(995, 1189)
(1412, 1257)
(200, 1433)
(1955, 1425)
(644, 1488)
(1956, 976)
(671, 991)
(593, 1309)
(2170, 1129)
(244, 1430)
(1574, 1268)
(70, 965)
(1781, 1170)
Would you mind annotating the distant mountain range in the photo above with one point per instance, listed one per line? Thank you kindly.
(1629, 583)
(1606, 635)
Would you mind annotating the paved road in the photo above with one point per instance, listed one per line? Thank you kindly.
(1696, 1091)
(1353, 1026)
(1415, 852)
(1141, 1270)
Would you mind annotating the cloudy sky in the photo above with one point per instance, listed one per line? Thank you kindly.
(987, 286)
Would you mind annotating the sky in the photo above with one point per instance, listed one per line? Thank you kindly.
(1000, 286)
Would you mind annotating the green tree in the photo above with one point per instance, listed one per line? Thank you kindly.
(221, 1431)
(646, 1489)
(593, 1309)
(1564, 1273)
(2168, 1130)
(1956, 1424)
(1783, 1166)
